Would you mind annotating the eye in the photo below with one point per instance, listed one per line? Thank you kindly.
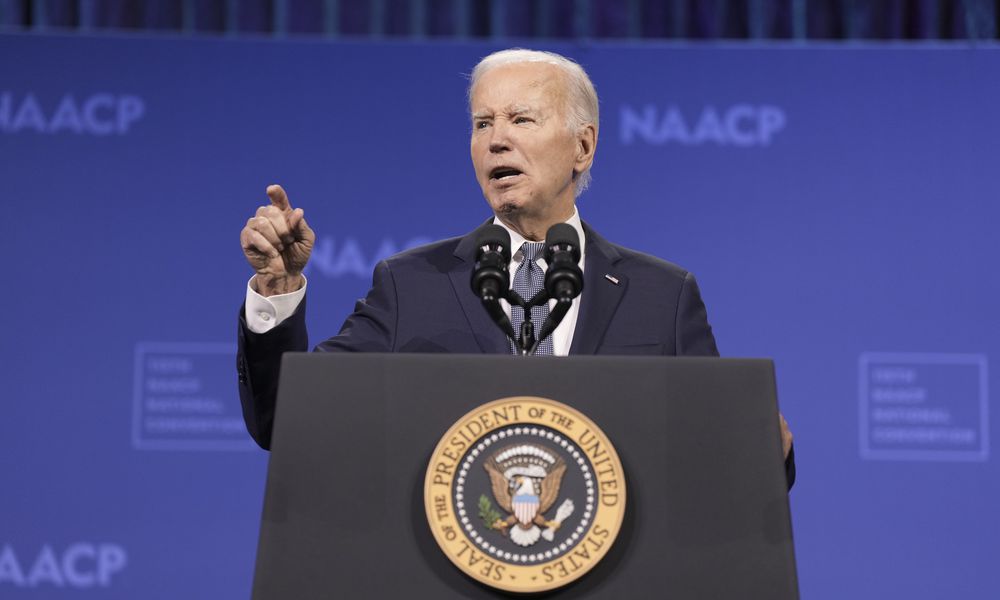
(480, 125)
(521, 119)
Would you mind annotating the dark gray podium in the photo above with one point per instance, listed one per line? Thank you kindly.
(707, 510)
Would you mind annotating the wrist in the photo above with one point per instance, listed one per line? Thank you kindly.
(274, 285)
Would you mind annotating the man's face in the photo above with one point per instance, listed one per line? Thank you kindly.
(523, 152)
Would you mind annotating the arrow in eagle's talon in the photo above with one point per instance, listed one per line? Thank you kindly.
(565, 510)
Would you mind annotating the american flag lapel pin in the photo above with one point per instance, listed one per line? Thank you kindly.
(611, 278)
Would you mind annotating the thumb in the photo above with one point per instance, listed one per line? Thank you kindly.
(297, 223)
(278, 197)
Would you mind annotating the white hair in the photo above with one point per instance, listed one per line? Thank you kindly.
(582, 109)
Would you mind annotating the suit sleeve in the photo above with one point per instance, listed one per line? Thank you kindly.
(370, 328)
(694, 334)
(258, 361)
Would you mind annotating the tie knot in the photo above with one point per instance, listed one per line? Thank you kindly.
(531, 250)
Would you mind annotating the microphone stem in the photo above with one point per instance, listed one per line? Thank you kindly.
(552, 321)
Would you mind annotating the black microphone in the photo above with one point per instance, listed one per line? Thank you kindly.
(490, 277)
(563, 278)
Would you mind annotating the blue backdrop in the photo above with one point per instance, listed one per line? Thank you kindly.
(839, 206)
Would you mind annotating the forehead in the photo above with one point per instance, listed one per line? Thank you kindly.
(532, 84)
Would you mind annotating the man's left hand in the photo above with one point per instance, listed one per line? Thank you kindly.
(786, 436)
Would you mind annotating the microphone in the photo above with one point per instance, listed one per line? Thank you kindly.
(490, 278)
(563, 278)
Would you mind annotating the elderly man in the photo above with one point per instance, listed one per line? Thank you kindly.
(534, 134)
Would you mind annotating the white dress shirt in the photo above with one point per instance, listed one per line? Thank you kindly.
(562, 337)
(265, 313)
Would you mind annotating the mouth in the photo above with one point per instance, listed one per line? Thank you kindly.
(503, 174)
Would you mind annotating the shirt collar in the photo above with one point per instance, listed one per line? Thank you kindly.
(516, 239)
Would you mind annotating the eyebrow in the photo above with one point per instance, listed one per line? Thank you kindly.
(514, 109)
(519, 109)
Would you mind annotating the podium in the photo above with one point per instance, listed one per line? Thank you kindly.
(344, 515)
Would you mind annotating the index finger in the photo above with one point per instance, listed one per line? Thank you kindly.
(278, 197)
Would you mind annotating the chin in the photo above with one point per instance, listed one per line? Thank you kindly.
(506, 208)
(507, 204)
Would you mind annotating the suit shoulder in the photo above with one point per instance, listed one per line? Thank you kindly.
(647, 263)
(438, 255)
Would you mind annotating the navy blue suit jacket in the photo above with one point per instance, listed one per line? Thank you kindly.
(421, 301)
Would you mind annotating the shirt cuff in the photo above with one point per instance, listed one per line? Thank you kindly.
(264, 314)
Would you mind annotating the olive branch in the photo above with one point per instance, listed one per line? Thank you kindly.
(487, 513)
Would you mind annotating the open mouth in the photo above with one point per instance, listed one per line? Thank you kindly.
(502, 173)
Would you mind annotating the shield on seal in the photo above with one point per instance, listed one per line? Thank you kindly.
(525, 508)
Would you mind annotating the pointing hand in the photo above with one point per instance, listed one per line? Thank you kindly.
(277, 242)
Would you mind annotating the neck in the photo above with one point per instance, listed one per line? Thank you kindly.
(534, 229)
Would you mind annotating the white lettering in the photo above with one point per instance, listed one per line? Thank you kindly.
(894, 374)
(741, 125)
(349, 258)
(100, 114)
(674, 128)
(90, 114)
(45, 569)
(74, 575)
(130, 110)
(10, 569)
(66, 117)
(29, 116)
(81, 565)
(173, 384)
(902, 395)
(772, 120)
(111, 558)
(386, 249)
(739, 135)
(632, 123)
(925, 435)
(170, 365)
(709, 128)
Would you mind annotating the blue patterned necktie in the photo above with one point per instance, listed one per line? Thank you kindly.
(528, 279)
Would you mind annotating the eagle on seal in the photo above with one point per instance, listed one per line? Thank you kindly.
(525, 479)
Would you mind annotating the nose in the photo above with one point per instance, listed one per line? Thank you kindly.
(499, 140)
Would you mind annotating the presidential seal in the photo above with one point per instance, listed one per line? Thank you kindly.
(525, 494)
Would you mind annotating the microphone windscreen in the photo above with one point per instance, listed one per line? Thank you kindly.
(493, 235)
(563, 234)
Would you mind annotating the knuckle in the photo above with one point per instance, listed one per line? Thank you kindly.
(280, 224)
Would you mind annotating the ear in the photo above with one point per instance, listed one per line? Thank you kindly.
(586, 146)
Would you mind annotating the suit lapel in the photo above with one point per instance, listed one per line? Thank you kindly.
(601, 296)
(489, 337)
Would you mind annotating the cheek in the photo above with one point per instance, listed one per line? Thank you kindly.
(477, 154)
(559, 151)
(558, 164)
